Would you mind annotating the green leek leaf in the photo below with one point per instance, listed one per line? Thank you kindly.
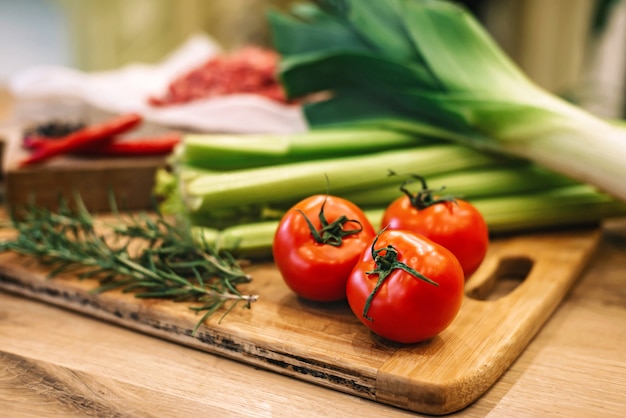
(431, 64)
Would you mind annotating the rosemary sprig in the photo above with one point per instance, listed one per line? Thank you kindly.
(145, 255)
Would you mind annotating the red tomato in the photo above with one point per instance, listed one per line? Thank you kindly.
(454, 223)
(315, 270)
(393, 302)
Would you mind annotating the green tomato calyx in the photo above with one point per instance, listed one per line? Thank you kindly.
(425, 197)
(332, 233)
(386, 259)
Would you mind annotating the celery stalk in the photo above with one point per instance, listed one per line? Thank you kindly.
(252, 240)
(568, 206)
(471, 184)
(231, 152)
(291, 182)
(565, 206)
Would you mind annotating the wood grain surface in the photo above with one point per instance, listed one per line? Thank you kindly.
(130, 180)
(327, 345)
(55, 362)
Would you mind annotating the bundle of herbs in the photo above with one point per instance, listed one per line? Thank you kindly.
(147, 256)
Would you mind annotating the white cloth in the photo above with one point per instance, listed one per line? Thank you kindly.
(128, 89)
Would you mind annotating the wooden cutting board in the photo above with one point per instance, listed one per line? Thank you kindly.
(522, 281)
(94, 179)
(130, 179)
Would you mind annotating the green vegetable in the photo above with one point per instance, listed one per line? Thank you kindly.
(490, 181)
(246, 189)
(237, 209)
(413, 87)
(147, 256)
(230, 152)
(566, 206)
(252, 240)
(431, 67)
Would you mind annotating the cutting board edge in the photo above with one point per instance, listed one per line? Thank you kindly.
(207, 340)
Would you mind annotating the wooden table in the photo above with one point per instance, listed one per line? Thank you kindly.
(58, 363)
(55, 362)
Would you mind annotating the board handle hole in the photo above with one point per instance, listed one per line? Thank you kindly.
(508, 275)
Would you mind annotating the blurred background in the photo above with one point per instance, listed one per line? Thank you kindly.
(575, 48)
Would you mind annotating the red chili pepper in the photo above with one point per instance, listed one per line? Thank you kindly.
(76, 140)
(117, 146)
(153, 145)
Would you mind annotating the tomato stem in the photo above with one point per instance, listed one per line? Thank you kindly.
(386, 260)
(331, 233)
(425, 197)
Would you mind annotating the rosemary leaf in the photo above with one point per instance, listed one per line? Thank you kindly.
(140, 254)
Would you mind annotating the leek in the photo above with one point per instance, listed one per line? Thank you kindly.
(429, 65)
